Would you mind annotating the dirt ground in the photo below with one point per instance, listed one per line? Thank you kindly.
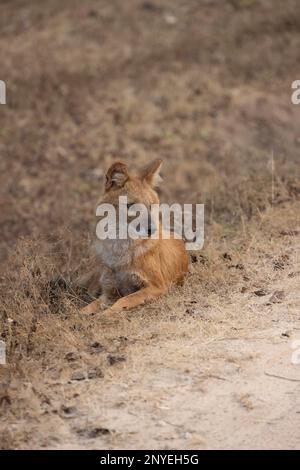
(206, 86)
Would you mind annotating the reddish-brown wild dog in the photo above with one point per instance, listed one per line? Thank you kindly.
(135, 270)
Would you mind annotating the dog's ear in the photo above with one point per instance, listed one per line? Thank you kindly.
(116, 176)
(151, 173)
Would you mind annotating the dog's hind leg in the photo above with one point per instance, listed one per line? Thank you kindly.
(135, 299)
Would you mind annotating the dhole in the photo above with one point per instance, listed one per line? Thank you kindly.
(135, 270)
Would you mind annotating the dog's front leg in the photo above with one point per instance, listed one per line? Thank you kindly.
(95, 306)
(135, 299)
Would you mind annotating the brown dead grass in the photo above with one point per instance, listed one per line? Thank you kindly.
(48, 340)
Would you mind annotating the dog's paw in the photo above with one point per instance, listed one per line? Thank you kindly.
(110, 310)
(95, 307)
(88, 310)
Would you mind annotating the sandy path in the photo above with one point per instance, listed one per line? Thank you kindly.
(240, 408)
(228, 392)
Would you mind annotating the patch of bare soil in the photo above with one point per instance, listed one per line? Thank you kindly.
(205, 87)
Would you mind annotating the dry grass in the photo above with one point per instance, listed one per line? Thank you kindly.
(48, 340)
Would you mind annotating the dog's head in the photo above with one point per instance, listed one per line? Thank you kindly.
(137, 190)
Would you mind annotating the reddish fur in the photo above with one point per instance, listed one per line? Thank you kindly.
(155, 263)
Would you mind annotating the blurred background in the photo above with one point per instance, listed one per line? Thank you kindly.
(203, 84)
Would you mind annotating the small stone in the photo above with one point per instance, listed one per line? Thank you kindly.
(112, 360)
(277, 297)
(97, 347)
(92, 433)
(68, 411)
(95, 373)
(72, 356)
(78, 375)
(260, 292)
(227, 256)
(99, 431)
